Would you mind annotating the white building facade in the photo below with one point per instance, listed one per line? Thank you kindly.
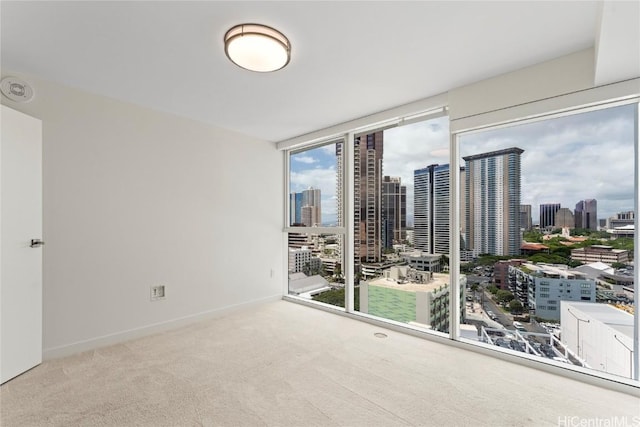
(600, 335)
(542, 287)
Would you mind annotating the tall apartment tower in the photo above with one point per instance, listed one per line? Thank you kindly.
(367, 170)
(311, 211)
(492, 196)
(339, 198)
(431, 209)
(525, 217)
(394, 211)
(295, 208)
(548, 215)
(463, 206)
(586, 214)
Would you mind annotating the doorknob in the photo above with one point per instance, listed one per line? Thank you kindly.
(36, 243)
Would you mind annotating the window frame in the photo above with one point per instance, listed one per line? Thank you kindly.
(573, 109)
(592, 99)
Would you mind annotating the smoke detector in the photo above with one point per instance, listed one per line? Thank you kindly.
(16, 89)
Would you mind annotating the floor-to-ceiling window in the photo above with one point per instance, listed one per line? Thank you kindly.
(315, 237)
(529, 248)
(548, 236)
(401, 223)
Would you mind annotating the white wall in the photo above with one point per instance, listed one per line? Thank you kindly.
(134, 198)
(560, 76)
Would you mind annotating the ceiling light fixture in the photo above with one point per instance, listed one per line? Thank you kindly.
(257, 47)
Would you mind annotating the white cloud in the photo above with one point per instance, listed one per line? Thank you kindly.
(413, 147)
(565, 160)
(303, 159)
(568, 159)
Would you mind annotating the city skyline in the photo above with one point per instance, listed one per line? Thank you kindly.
(563, 162)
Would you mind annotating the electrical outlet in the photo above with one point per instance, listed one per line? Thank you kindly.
(157, 293)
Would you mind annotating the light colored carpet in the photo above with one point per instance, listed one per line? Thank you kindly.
(283, 364)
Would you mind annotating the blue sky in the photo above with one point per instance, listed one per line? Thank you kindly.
(567, 159)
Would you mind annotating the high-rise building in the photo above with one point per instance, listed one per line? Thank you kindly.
(295, 208)
(394, 211)
(564, 218)
(339, 198)
(492, 197)
(441, 210)
(311, 210)
(463, 206)
(431, 209)
(586, 214)
(368, 151)
(548, 215)
(423, 208)
(525, 217)
(310, 216)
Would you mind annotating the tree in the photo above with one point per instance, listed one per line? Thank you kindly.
(515, 306)
(504, 296)
(533, 236)
(548, 258)
(337, 271)
(444, 260)
(493, 289)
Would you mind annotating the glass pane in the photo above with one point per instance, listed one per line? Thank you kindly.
(316, 267)
(314, 186)
(548, 232)
(401, 223)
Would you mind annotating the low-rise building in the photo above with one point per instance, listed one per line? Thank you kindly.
(302, 260)
(375, 269)
(501, 272)
(407, 295)
(627, 231)
(621, 219)
(527, 248)
(306, 286)
(600, 335)
(541, 287)
(329, 264)
(601, 253)
(423, 261)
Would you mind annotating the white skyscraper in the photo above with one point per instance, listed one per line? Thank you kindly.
(431, 209)
(492, 197)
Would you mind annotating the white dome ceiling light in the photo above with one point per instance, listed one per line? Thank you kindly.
(16, 89)
(257, 47)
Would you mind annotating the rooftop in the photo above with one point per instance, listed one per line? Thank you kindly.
(611, 316)
(438, 281)
(512, 150)
(562, 271)
(533, 246)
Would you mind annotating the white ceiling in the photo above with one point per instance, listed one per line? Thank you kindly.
(349, 59)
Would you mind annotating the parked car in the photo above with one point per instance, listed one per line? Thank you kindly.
(519, 327)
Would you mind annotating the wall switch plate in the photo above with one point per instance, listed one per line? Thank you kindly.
(157, 293)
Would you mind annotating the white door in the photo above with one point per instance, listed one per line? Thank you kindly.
(20, 261)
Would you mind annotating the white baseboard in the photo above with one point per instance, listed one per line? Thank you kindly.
(120, 337)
